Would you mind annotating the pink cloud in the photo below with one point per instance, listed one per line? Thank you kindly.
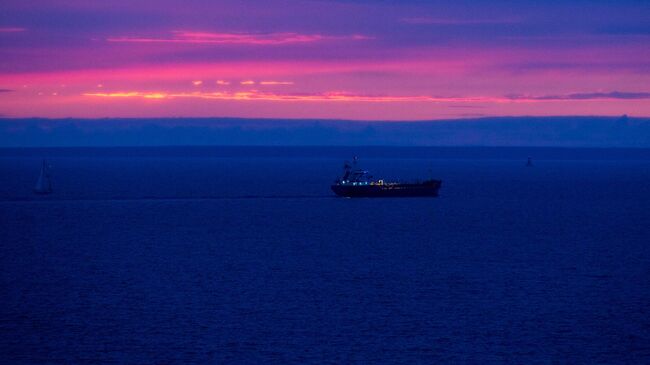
(12, 30)
(326, 96)
(276, 82)
(256, 95)
(352, 97)
(415, 84)
(191, 37)
(339, 105)
(455, 21)
(238, 70)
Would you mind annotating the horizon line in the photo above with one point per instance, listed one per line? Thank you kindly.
(469, 118)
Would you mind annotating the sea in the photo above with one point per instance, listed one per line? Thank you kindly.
(243, 255)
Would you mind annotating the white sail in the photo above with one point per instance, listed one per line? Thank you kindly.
(43, 184)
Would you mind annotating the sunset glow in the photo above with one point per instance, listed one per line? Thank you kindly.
(396, 61)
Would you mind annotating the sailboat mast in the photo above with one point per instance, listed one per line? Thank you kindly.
(44, 183)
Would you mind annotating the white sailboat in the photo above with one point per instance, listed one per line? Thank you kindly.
(44, 183)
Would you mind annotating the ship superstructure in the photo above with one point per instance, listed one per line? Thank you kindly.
(357, 182)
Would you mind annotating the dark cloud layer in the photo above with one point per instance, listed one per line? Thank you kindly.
(586, 96)
(517, 131)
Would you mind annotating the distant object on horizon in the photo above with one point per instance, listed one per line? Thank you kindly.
(529, 163)
(357, 183)
(44, 182)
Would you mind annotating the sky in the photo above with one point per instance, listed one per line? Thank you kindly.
(335, 59)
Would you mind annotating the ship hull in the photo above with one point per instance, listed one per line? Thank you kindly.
(426, 189)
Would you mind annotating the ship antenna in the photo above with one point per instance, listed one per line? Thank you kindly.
(346, 171)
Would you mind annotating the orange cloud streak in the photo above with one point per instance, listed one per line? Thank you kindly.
(349, 97)
(330, 96)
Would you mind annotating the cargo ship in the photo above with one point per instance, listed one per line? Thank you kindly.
(357, 183)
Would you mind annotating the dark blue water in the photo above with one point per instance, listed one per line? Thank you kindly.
(210, 256)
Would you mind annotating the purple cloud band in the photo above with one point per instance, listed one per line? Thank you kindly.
(191, 37)
(585, 96)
